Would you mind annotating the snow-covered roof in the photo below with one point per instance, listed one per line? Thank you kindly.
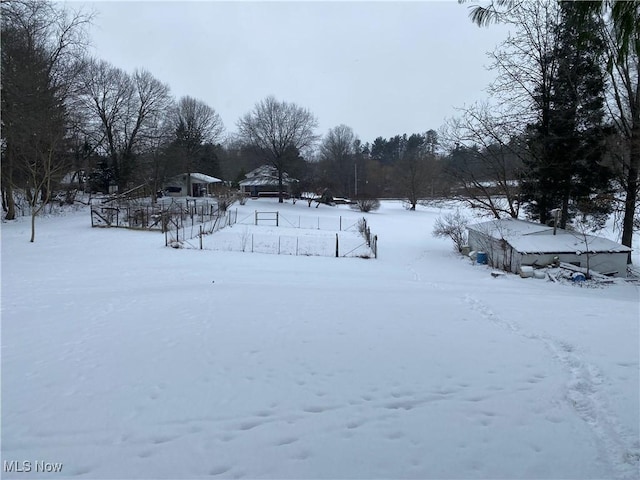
(565, 242)
(509, 227)
(195, 178)
(265, 175)
(525, 237)
(262, 171)
(202, 178)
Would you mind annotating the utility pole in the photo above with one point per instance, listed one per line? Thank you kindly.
(355, 168)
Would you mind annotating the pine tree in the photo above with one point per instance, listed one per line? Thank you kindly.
(567, 144)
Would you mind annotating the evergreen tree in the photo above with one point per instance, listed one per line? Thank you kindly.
(567, 143)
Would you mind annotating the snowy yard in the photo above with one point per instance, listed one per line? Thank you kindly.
(122, 358)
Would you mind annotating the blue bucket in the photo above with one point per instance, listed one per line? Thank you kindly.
(481, 258)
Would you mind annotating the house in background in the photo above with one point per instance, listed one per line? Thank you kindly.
(510, 244)
(191, 184)
(263, 182)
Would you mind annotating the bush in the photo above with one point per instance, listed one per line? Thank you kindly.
(454, 226)
(366, 204)
(242, 198)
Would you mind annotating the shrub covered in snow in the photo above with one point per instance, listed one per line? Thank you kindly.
(454, 226)
(366, 204)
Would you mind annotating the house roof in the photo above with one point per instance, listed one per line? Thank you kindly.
(197, 178)
(265, 175)
(529, 237)
(202, 178)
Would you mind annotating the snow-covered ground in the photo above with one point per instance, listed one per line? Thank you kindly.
(122, 358)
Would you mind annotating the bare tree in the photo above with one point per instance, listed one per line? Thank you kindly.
(198, 121)
(415, 167)
(123, 108)
(488, 173)
(521, 95)
(195, 124)
(279, 131)
(624, 108)
(623, 15)
(337, 159)
(41, 45)
(159, 136)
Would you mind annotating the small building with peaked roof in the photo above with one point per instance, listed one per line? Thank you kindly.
(263, 181)
(191, 185)
(511, 243)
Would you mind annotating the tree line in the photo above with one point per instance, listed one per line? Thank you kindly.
(558, 133)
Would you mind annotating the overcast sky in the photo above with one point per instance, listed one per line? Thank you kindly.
(381, 68)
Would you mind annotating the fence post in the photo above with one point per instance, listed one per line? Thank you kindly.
(337, 246)
(277, 221)
(375, 243)
(340, 222)
(252, 243)
(166, 240)
(200, 237)
(256, 221)
(296, 246)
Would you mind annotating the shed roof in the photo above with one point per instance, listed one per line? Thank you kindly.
(509, 227)
(565, 242)
(195, 178)
(203, 178)
(524, 237)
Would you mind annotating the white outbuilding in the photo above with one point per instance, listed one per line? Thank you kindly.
(510, 244)
(191, 184)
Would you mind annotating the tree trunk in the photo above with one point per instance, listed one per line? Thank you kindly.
(33, 225)
(9, 201)
(280, 187)
(632, 194)
(564, 215)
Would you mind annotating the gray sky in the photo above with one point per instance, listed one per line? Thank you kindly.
(383, 68)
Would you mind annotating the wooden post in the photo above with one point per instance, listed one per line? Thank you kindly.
(256, 222)
(166, 239)
(337, 247)
(375, 243)
(277, 221)
(200, 237)
(340, 222)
